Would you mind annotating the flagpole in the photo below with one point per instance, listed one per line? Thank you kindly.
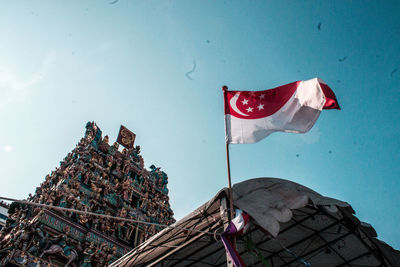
(229, 182)
(231, 213)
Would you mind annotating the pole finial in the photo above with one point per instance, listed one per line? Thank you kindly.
(224, 88)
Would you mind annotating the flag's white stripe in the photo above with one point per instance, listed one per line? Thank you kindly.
(298, 115)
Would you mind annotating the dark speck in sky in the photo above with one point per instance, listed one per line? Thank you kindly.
(319, 26)
(330, 151)
(191, 71)
(343, 59)
(297, 155)
(393, 72)
(113, 2)
(208, 41)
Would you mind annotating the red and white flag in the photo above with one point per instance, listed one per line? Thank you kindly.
(253, 115)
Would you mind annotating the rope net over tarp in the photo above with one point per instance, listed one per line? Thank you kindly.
(291, 225)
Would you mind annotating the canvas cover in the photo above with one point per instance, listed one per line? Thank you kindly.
(285, 216)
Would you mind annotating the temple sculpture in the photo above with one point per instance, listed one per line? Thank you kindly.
(98, 178)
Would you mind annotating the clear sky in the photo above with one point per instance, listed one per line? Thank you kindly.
(158, 66)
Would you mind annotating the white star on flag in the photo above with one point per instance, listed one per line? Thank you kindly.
(262, 96)
(249, 109)
(245, 101)
(260, 107)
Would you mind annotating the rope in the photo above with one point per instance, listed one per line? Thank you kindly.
(292, 253)
(105, 216)
(251, 247)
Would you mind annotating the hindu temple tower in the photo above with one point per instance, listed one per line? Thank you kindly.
(98, 178)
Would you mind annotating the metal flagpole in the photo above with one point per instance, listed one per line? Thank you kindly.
(229, 183)
(229, 263)
(231, 213)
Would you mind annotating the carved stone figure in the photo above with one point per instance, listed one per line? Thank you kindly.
(87, 256)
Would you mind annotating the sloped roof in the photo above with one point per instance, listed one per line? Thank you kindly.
(287, 219)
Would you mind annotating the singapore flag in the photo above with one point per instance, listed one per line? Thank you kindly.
(253, 115)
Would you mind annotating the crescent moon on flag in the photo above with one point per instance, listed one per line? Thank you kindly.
(233, 104)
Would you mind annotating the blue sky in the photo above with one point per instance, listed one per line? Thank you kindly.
(65, 63)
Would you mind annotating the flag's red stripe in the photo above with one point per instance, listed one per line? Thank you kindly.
(331, 101)
(273, 100)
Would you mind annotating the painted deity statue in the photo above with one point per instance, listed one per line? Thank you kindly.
(88, 255)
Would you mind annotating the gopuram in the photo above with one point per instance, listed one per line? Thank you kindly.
(95, 177)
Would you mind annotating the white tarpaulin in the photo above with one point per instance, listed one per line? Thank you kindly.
(289, 224)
